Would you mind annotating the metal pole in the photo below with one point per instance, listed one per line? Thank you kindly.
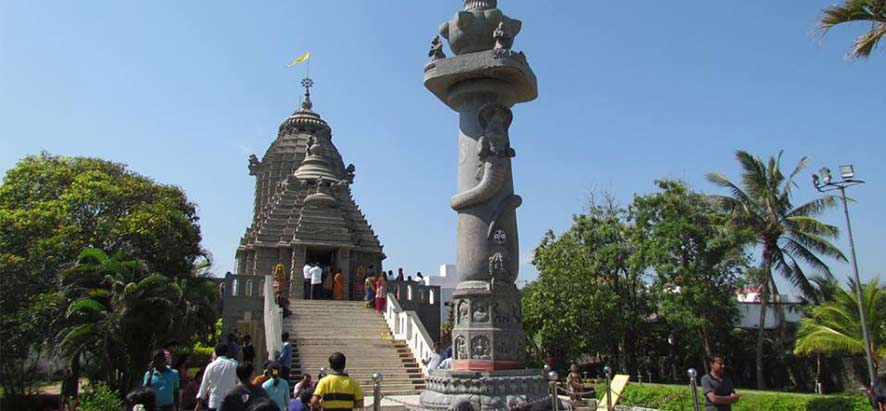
(858, 284)
(552, 377)
(376, 391)
(692, 374)
(608, 372)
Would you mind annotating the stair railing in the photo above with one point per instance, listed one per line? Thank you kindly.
(406, 326)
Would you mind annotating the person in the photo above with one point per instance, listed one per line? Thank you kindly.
(244, 394)
(143, 396)
(420, 277)
(878, 392)
(337, 391)
(380, 294)
(434, 359)
(233, 346)
(369, 291)
(719, 394)
(219, 378)
(164, 381)
(573, 381)
(276, 387)
(304, 385)
(189, 394)
(409, 279)
(301, 401)
(248, 349)
(265, 374)
(327, 283)
(306, 272)
(316, 281)
(400, 274)
(169, 350)
(338, 286)
(285, 357)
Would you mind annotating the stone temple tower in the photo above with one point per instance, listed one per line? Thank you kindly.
(304, 210)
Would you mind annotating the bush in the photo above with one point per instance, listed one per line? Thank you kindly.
(101, 399)
(677, 398)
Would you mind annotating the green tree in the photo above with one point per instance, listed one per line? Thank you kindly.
(588, 299)
(834, 326)
(118, 314)
(53, 207)
(788, 236)
(696, 263)
(857, 11)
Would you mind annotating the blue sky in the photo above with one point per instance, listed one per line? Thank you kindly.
(629, 92)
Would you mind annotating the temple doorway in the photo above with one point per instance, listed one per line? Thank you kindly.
(325, 257)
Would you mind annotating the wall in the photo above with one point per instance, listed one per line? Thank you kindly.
(423, 300)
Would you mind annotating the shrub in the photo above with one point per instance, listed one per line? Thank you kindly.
(678, 398)
(101, 399)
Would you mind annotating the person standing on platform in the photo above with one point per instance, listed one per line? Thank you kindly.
(306, 272)
(338, 286)
(719, 394)
(381, 293)
(248, 349)
(327, 283)
(399, 274)
(369, 290)
(316, 282)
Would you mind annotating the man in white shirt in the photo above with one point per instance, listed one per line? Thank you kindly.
(219, 378)
(316, 282)
(306, 271)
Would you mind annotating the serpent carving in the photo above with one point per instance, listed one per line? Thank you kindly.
(495, 152)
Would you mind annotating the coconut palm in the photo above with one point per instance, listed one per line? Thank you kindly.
(834, 326)
(788, 236)
(862, 11)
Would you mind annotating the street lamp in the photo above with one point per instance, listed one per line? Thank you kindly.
(824, 182)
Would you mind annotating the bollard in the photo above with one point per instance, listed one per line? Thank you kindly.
(376, 391)
(552, 377)
(608, 372)
(692, 386)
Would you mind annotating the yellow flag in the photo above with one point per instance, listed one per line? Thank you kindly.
(300, 59)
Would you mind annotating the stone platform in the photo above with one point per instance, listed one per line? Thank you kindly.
(492, 390)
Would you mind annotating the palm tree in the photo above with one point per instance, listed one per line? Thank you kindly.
(834, 326)
(787, 235)
(873, 11)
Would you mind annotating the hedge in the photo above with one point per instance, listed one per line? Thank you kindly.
(677, 398)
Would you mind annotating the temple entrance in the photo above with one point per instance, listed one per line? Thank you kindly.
(325, 258)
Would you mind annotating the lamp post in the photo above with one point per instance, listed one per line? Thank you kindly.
(824, 182)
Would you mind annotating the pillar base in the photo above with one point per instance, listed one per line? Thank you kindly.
(495, 390)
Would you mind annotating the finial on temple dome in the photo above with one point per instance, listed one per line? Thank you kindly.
(480, 5)
(307, 83)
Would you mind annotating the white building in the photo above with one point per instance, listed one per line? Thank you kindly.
(447, 280)
(749, 309)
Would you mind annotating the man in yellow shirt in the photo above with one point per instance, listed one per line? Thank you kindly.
(337, 391)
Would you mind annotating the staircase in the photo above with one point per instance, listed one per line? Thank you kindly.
(318, 328)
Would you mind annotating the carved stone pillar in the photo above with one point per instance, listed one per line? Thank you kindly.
(482, 82)
(297, 285)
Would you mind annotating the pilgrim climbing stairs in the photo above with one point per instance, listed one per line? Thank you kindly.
(318, 328)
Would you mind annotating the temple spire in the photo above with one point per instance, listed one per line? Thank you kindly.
(307, 83)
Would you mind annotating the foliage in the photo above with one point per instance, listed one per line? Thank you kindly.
(788, 236)
(586, 285)
(861, 11)
(23, 335)
(697, 264)
(51, 208)
(102, 398)
(118, 314)
(678, 398)
(834, 326)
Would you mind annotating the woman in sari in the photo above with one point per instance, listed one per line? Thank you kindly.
(381, 293)
(338, 287)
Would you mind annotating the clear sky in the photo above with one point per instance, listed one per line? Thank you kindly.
(629, 92)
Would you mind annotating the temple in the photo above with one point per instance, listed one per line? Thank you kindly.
(304, 210)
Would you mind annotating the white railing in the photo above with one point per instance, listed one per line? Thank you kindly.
(406, 326)
(273, 320)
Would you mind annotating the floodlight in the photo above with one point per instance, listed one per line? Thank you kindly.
(847, 171)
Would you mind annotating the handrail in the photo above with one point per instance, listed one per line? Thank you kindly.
(405, 325)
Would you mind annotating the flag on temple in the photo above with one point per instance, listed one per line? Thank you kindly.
(300, 59)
